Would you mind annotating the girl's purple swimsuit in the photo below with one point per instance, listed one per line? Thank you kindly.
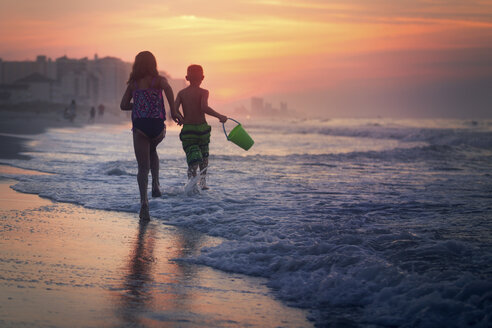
(148, 113)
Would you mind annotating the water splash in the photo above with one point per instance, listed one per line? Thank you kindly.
(191, 187)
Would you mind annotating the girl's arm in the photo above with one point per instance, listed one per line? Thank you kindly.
(125, 101)
(168, 91)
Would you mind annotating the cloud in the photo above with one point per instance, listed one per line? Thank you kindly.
(269, 46)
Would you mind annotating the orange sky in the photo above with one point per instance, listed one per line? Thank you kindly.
(267, 47)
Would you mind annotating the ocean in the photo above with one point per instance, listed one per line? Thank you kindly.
(364, 222)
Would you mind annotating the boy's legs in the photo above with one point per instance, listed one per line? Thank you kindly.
(204, 162)
(192, 168)
(193, 157)
(203, 172)
(141, 145)
(203, 166)
(195, 139)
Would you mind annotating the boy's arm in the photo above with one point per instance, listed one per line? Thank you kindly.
(125, 100)
(207, 110)
(168, 91)
(210, 111)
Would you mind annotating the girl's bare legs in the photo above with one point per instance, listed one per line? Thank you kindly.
(146, 154)
(141, 144)
(154, 164)
(154, 170)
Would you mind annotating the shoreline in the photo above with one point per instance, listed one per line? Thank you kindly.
(12, 147)
(33, 118)
(62, 264)
(19, 124)
(103, 268)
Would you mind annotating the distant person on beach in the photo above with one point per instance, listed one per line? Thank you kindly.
(195, 134)
(70, 111)
(145, 86)
(100, 110)
(92, 114)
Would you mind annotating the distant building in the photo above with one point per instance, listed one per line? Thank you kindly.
(113, 75)
(256, 106)
(39, 87)
(91, 82)
(12, 94)
(259, 107)
(88, 81)
(11, 71)
(283, 107)
(241, 111)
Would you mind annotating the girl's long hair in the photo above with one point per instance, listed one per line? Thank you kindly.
(144, 65)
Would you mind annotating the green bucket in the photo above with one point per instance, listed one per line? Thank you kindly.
(239, 136)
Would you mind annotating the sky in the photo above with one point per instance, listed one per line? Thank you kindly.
(405, 58)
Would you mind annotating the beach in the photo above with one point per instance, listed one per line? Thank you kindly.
(342, 222)
(21, 122)
(63, 265)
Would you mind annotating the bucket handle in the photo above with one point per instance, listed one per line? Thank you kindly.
(223, 126)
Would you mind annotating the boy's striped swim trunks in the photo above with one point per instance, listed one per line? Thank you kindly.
(195, 139)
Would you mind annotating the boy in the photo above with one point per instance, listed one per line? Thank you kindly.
(195, 134)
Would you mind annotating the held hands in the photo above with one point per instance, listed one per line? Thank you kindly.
(178, 118)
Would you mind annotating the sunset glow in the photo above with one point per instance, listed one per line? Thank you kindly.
(266, 47)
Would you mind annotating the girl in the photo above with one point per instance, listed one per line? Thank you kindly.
(145, 86)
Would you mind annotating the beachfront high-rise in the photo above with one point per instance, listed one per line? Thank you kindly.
(87, 81)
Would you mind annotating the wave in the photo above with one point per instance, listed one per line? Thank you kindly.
(427, 153)
(317, 252)
(334, 267)
(449, 137)
(117, 168)
(374, 236)
(453, 133)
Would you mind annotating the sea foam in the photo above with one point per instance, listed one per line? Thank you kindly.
(363, 222)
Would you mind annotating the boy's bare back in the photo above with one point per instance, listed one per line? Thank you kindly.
(194, 100)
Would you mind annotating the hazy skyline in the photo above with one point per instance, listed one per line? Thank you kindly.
(337, 58)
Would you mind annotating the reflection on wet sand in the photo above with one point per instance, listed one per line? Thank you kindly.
(146, 289)
(137, 296)
(140, 291)
(63, 265)
(160, 288)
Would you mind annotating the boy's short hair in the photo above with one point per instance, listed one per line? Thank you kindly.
(195, 70)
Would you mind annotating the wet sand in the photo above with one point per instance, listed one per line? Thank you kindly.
(35, 118)
(12, 147)
(20, 123)
(62, 265)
